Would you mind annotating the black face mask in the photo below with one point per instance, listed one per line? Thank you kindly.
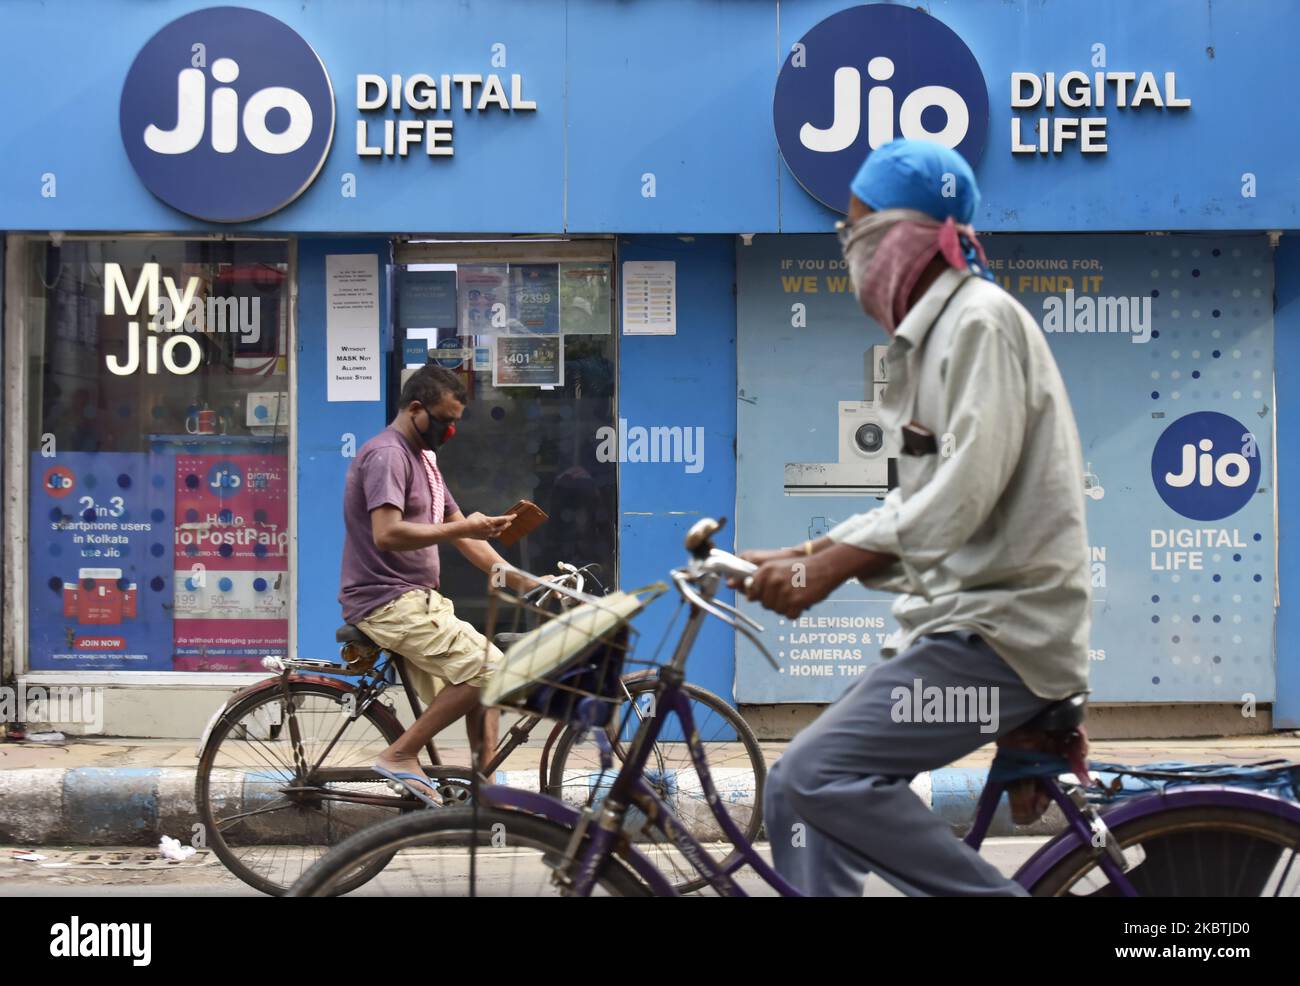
(438, 433)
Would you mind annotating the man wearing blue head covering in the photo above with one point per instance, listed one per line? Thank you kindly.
(984, 539)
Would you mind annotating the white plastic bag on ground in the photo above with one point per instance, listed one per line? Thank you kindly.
(172, 849)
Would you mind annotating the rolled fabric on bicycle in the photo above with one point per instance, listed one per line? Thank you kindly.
(571, 666)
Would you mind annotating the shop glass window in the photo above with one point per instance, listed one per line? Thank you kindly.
(158, 439)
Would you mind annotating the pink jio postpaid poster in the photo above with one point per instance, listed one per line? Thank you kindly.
(232, 592)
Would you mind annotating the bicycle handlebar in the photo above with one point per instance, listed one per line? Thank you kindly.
(725, 563)
(574, 580)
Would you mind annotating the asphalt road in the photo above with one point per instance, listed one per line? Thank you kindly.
(79, 872)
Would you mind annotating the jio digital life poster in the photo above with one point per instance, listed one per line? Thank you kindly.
(231, 551)
(101, 588)
(1165, 345)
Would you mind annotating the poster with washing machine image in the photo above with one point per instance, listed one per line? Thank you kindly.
(1165, 345)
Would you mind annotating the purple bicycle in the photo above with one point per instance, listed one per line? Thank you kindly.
(1162, 830)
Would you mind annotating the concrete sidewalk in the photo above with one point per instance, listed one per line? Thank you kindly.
(97, 792)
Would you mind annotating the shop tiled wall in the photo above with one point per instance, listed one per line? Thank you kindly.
(685, 380)
(321, 430)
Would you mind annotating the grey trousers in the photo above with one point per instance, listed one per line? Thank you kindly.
(838, 804)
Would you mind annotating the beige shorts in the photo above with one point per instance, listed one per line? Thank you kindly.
(439, 648)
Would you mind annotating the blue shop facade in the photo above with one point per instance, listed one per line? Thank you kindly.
(232, 230)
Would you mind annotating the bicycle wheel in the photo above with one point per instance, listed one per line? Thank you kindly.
(736, 765)
(262, 816)
(430, 856)
(1189, 852)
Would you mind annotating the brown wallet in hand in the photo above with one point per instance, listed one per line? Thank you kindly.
(528, 517)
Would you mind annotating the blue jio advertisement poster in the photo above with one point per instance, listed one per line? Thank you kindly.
(426, 299)
(535, 298)
(1165, 345)
(101, 561)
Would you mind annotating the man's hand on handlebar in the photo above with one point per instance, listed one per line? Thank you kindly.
(789, 583)
(763, 556)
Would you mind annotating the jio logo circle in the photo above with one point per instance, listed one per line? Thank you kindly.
(1206, 465)
(865, 76)
(225, 479)
(59, 481)
(227, 114)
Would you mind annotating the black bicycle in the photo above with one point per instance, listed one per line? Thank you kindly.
(285, 764)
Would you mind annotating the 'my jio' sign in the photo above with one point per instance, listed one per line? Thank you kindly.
(865, 76)
(227, 114)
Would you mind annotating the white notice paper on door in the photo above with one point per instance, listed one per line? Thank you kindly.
(650, 298)
(352, 326)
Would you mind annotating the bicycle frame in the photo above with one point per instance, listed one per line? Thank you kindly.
(630, 789)
(367, 688)
(1084, 825)
(1080, 830)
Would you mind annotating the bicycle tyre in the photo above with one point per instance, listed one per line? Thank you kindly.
(1179, 834)
(453, 827)
(753, 754)
(236, 861)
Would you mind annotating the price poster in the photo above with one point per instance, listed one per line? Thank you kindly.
(231, 552)
(528, 361)
(535, 298)
(101, 562)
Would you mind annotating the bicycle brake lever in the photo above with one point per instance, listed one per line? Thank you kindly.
(686, 589)
(737, 613)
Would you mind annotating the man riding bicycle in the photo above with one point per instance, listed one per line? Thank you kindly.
(984, 538)
(397, 509)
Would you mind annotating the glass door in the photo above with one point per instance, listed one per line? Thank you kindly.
(531, 333)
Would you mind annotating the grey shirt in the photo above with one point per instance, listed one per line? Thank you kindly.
(990, 531)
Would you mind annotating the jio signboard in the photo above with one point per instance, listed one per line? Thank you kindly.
(865, 76)
(227, 114)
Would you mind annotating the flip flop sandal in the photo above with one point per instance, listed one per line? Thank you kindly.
(404, 777)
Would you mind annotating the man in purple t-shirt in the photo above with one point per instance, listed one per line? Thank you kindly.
(397, 510)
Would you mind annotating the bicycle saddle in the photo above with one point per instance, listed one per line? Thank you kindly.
(504, 640)
(348, 634)
(1060, 717)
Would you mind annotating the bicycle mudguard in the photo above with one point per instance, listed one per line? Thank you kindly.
(274, 682)
(1200, 796)
(534, 803)
(381, 710)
